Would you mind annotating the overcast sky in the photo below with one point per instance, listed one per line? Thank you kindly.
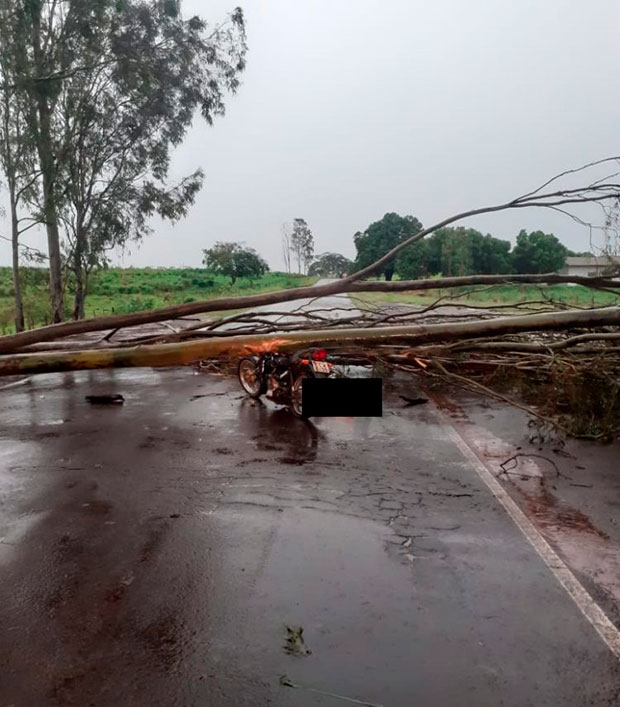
(349, 109)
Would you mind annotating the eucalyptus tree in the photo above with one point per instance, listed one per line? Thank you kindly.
(16, 162)
(302, 244)
(112, 86)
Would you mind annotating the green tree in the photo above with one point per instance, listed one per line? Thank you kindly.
(412, 263)
(17, 163)
(330, 265)
(453, 252)
(456, 255)
(488, 255)
(538, 252)
(302, 244)
(234, 261)
(110, 87)
(380, 237)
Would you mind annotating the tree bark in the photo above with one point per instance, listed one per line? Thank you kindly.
(48, 172)
(79, 270)
(193, 351)
(50, 213)
(17, 286)
(80, 296)
(11, 170)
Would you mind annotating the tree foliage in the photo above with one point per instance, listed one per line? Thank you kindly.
(380, 237)
(330, 265)
(302, 244)
(234, 261)
(538, 252)
(454, 252)
(112, 87)
(465, 251)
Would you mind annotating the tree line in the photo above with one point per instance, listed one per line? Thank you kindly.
(450, 251)
(454, 251)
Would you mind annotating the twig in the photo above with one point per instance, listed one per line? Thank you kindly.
(285, 681)
(514, 458)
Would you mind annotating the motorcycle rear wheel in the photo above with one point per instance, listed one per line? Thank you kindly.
(296, 392)
(250, 378)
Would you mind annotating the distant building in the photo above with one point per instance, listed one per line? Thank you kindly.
(591, 266)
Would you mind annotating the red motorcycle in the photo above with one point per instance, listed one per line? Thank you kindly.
(279, 376)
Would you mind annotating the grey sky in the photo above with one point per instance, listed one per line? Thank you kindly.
(349, 109)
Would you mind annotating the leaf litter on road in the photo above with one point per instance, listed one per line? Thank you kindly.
(294, 643)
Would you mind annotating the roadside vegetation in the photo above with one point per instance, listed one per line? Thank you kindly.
(455, 251)
(571, 295)
(120, 291)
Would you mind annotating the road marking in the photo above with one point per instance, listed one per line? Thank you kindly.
(14, 384)
(578, 593)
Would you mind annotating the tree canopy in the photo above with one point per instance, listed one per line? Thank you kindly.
(538, 252)
(380, 237)
(330, 265)
(234, 260)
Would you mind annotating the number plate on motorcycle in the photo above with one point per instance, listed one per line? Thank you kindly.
(321, 367)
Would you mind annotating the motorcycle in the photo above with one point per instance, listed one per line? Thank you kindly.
(279, 377)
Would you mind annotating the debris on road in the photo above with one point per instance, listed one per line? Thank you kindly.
(105, 399)
(524, 455)
(413, 401)
(294, 644)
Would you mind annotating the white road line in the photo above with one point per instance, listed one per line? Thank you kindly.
(578, 593)
(15, 384)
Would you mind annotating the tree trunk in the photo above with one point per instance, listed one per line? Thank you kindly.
(17, 286)
(286, 250)
(11, 169)
(80, 295)
(178, 354)
(389, 273)
(78, 269)
(48, 168)
(42, 116)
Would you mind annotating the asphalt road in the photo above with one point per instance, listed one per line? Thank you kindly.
(329, 307)
(152, 554)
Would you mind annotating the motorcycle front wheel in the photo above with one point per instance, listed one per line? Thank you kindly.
(250, 378)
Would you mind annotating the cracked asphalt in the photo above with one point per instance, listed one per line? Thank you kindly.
(153, 553)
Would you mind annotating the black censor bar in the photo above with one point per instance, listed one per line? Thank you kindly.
(342, 397)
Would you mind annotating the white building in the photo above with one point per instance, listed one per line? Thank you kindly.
(590, 266)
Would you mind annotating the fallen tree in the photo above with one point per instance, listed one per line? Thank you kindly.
(173, 354)
(564, 359)
(600, 192)
(14, 342)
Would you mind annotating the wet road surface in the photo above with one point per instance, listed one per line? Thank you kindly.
(152, 554)
(329, 307)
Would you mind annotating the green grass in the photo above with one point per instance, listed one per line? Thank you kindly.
(500, 294)
(120, 291)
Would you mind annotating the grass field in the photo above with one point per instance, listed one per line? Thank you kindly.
(119, 291)
(577, 295)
